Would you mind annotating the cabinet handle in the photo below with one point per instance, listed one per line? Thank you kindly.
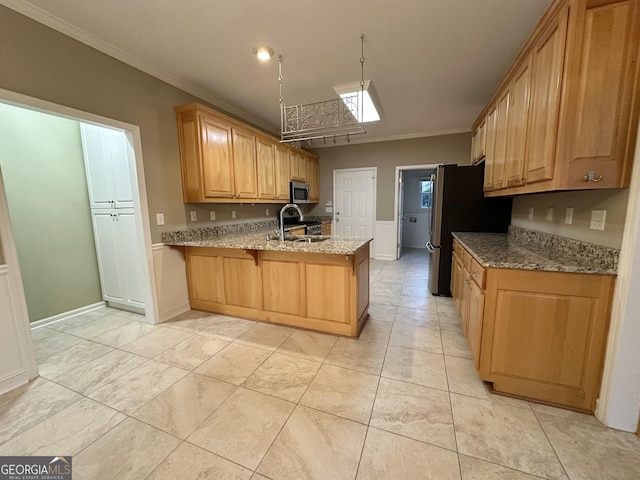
(591, 177)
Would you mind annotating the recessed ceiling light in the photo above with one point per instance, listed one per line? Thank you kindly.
(263, 53)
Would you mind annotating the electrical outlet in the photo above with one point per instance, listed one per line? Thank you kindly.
(568, 216)
(598, 218)
(194, 215)
(233, 214)
(266, 212)
(549, 214)
(530, 216)
(159, 218)
(212, 215)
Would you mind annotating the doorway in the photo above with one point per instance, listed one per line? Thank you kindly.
(135, 174)
(413, 202)
(354, 200)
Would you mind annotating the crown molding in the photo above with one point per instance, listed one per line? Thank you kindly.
(56, 23)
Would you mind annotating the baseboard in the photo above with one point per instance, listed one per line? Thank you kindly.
(14, 380)
(174, 312)
(385, 257)
(64, 315)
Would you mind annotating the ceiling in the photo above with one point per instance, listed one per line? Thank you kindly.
(434, 63)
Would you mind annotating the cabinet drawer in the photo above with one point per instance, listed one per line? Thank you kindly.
(477, 272)
(466, 260)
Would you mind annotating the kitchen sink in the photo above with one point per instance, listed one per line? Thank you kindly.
(308, 239)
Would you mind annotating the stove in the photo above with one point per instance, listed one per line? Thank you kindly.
(313, 228)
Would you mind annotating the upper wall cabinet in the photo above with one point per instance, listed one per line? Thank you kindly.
(226, 161)
(565, 116)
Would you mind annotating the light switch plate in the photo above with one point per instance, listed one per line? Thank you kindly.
(328, 209)
(266, 212)
(194, 215)
(159, 218)
(598, 218)
(549, 214)
(530, 216)
(212, 214)
(568, 216)
(233, 214)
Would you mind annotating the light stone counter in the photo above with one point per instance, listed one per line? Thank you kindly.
(527, 250)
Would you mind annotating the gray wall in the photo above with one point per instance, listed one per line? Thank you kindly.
(613, 200)
(40, 62)
(386, 156)
(49, 207)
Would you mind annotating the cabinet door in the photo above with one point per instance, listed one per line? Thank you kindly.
(455, 271)
(107, 245)
(463, 292)
(97, 160)
(266, 169)
(217, 162)
(328, 290)
(121, 154)
(546, 85)
(312, 179)
(501, 140)
(602, 96)
(244, 164)
(242, 282)
(302, 167)
(294, 164)
(283, 287)
(482, 139)
(283, 172)
(490, 150)
(475, 317)
(517, 124)
(131, 258)
(474, 146)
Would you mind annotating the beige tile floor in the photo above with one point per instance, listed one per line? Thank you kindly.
(213, 397)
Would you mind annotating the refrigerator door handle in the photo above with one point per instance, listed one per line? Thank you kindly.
(431, 247)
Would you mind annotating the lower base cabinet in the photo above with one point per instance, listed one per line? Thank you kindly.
(537, 335)
(324, 292)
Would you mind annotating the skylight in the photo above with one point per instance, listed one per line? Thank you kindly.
(351, 95)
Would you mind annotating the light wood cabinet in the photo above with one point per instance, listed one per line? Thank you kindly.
(546, 79)
(225, 161)
(244, 164)
(324, 292)
(579, 131)
(266, 169)
(490, 137)
(534, 334)
(326, 228)
(297, 231)
(313, 172)
(283, 172)
(517, 125)
(500, 141)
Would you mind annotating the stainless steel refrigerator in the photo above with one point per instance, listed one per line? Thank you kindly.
(459, 205)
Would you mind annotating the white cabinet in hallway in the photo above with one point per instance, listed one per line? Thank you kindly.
(118, 246)
(107, 164)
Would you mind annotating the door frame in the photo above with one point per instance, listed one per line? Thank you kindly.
(138, 185)
(375, 195)
(396, 178)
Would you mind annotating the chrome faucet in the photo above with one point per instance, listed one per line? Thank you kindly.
(284, 209)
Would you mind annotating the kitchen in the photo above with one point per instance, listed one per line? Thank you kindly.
(456, 146)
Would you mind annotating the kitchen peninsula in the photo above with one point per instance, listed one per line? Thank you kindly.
(246, 271)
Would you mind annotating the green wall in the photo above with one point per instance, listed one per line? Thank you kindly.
(43, 168)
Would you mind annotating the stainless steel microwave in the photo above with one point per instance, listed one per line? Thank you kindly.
(298, 192)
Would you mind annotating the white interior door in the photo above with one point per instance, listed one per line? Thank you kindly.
(399, 213)
(106, 236)
(354, 203)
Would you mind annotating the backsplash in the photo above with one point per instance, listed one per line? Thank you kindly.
(541, 241)
(219, 231)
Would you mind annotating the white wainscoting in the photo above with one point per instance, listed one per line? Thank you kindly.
(385, 240)
(13, 372)
(171, 282)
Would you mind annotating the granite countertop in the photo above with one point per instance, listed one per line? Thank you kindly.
(258, 241)
(523, 252)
